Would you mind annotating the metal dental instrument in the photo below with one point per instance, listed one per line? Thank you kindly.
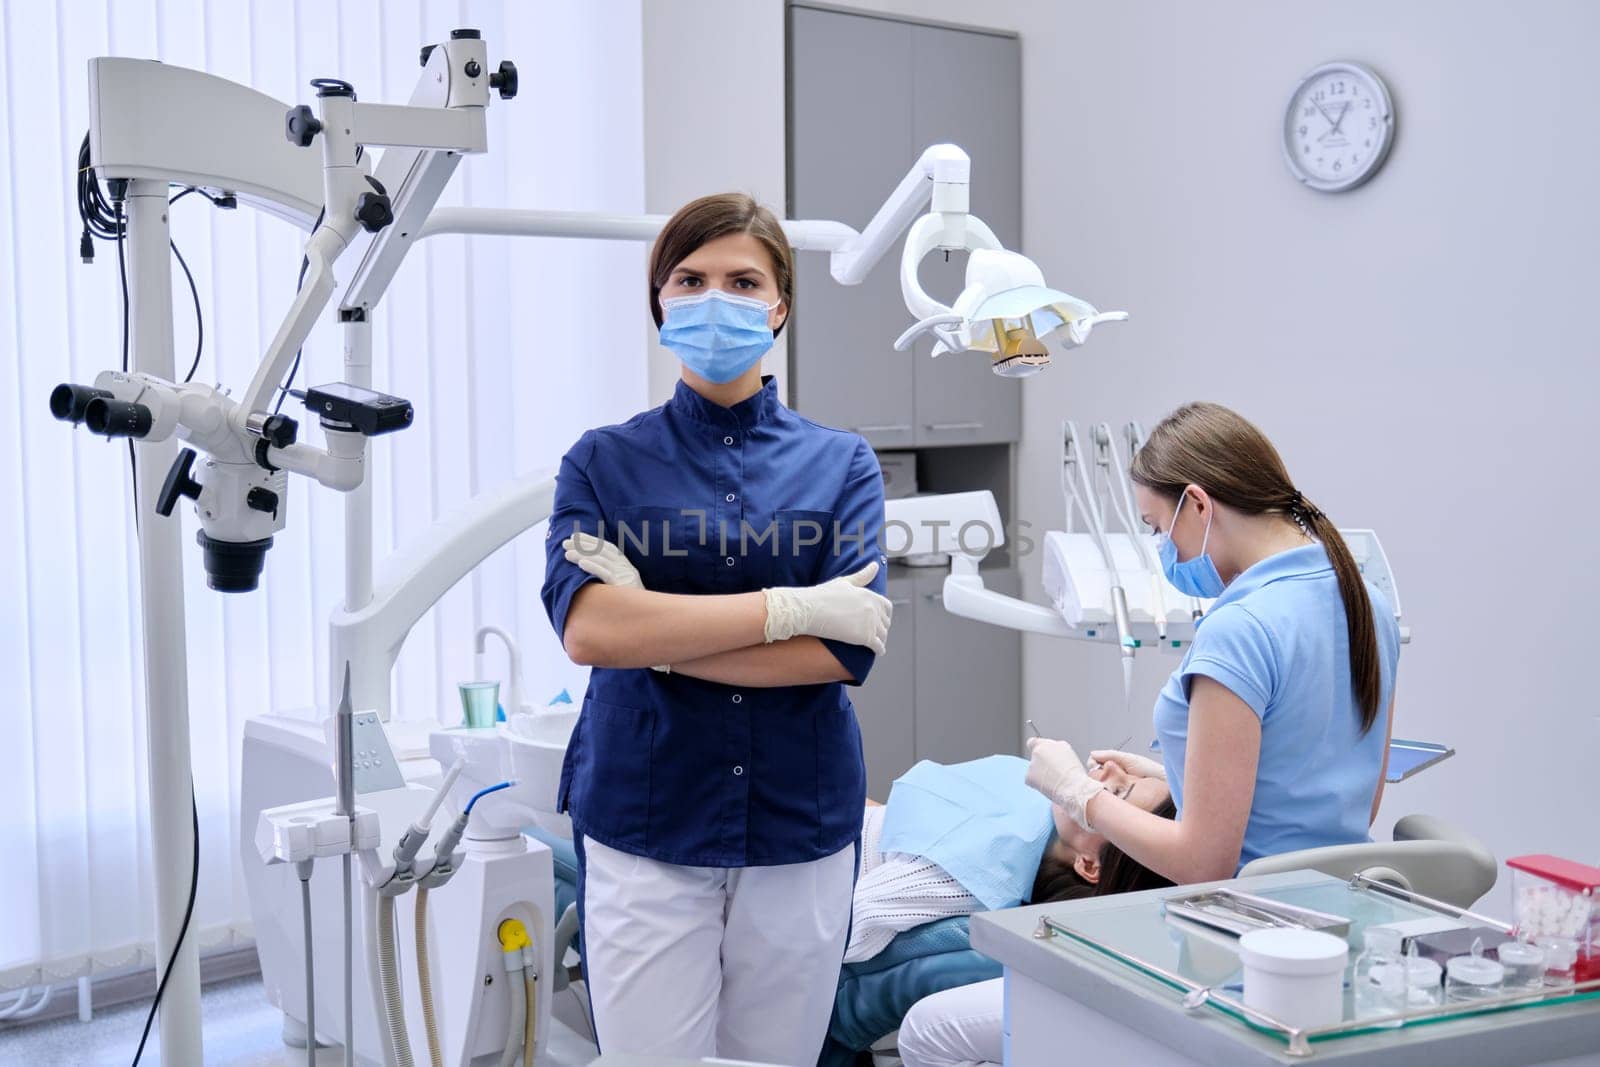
(1115, 471)
(1034, 728)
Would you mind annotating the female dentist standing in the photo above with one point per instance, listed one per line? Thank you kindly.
(1274, 729)
(715, 778)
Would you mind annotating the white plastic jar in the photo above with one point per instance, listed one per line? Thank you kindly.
(1295, 976)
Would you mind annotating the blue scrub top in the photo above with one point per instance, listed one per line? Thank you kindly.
(1276, 638)
(707, 499)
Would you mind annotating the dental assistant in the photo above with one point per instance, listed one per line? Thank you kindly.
(1274, 729)
(715, 777)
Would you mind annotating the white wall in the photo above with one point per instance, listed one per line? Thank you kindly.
(713, 122)
(1421, 350)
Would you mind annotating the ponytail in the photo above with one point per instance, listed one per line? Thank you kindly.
(1216, 448)
(1366, 671)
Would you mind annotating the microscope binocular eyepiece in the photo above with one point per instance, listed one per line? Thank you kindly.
(68, 401)
(117, 418)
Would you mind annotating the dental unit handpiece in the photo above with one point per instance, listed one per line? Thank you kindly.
(443, 865)
(1118, 474)
(1113, 473)
(405, 853)
(1076, 486)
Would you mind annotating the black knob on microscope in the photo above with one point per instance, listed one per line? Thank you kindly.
(505, 79)
(301, 126)
(373, 211)
(178, 483)
(280, 431)
(259, 499)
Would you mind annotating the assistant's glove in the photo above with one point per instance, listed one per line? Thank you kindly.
(1055, 770)
(843, 609)
(602, 559)
(606, 562)
(1136, 765)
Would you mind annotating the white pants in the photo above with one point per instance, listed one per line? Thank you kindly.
(960, 1027)
(741, 963)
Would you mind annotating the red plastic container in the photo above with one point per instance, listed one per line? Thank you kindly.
(1556, 897)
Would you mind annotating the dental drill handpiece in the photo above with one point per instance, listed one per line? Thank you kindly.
(405, 852)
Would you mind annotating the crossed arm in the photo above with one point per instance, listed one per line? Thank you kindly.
(718, 638)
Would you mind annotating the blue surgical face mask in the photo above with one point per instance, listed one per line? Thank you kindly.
(1195, 577)
(719, 336)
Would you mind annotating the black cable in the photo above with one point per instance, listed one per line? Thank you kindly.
(199, 320)
(188, 913)
(122, 276)
(305, 264)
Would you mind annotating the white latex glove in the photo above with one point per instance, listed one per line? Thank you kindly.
(1135, 764)
(602, 559)
(843, 609)
(606, 562)
(1055, 770)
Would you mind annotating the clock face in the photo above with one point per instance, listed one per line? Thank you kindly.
(1338, 127)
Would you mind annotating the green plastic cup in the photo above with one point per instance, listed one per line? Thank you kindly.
(478, 703)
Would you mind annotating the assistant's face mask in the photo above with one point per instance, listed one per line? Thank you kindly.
(1195, 577)
(718, 335)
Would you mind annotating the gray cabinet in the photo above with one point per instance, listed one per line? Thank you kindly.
(850, 143)
(884, 704)
(969, 677)
(947, 689)
(866, 96)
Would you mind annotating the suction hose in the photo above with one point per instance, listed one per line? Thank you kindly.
(513, 937)
(389, 977)
(425, 980)
(531, 988)
(519, 1012)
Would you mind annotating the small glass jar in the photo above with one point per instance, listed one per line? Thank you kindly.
(1424, 984)
(1378, 979)
(1524, 964)
(1469, 978)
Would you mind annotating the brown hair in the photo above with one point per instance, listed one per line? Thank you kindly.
(1119, 873)
(1223, 453)
(708, 218)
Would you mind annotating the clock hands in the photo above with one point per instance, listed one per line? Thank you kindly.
(1343, 111)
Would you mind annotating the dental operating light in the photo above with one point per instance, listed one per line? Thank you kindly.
(1005, 309)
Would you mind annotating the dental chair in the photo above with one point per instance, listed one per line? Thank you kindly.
(1427, 856)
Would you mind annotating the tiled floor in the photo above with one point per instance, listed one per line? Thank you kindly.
(240, 1030)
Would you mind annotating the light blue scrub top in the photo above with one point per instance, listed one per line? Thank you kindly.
(1276, 638)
